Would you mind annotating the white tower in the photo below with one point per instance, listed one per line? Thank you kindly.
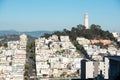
(86, 20)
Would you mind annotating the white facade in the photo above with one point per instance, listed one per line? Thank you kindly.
(116, 34)
(91, 69)
(55, 56)
(64, 38)
(21, 44)
(106, 72)
(13, 59)
(83, 41)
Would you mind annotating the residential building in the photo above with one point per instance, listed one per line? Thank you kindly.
(13, 59)
(91, 69)
(56, 58)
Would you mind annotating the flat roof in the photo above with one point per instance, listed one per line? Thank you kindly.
(116, 58)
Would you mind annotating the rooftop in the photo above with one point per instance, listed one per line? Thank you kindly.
(116, 58)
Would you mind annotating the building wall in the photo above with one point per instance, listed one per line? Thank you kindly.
(106, 73)
(89, 70)
(83, 70)
(114, 69)
(96, 65)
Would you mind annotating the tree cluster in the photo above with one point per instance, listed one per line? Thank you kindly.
(30, 47)
(94, 32)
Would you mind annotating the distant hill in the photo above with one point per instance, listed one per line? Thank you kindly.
(15, 38)
(37, 33)
(12, 35)
(32, 33)
(8, 32)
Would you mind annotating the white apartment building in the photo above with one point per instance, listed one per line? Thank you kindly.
(21, 44)
(64, 39)
(116, 34)
(87, 69)
(91, 69)
(83, 41)
(13, 59)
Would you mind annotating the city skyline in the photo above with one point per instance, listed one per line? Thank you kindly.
(30, 15)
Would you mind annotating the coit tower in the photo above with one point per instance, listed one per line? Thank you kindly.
(86, 20)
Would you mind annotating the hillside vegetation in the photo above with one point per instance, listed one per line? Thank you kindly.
(94, 32)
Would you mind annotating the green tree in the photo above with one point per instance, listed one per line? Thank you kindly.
(31, 47)
(27, 66)
(32, 55)
(5, 45)
(46, 35)
(0, 43)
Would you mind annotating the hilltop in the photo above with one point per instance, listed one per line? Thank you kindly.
(94, 32)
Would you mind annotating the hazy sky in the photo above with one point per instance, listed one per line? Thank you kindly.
(32, 15)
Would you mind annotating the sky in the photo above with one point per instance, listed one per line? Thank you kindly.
(51, 15)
